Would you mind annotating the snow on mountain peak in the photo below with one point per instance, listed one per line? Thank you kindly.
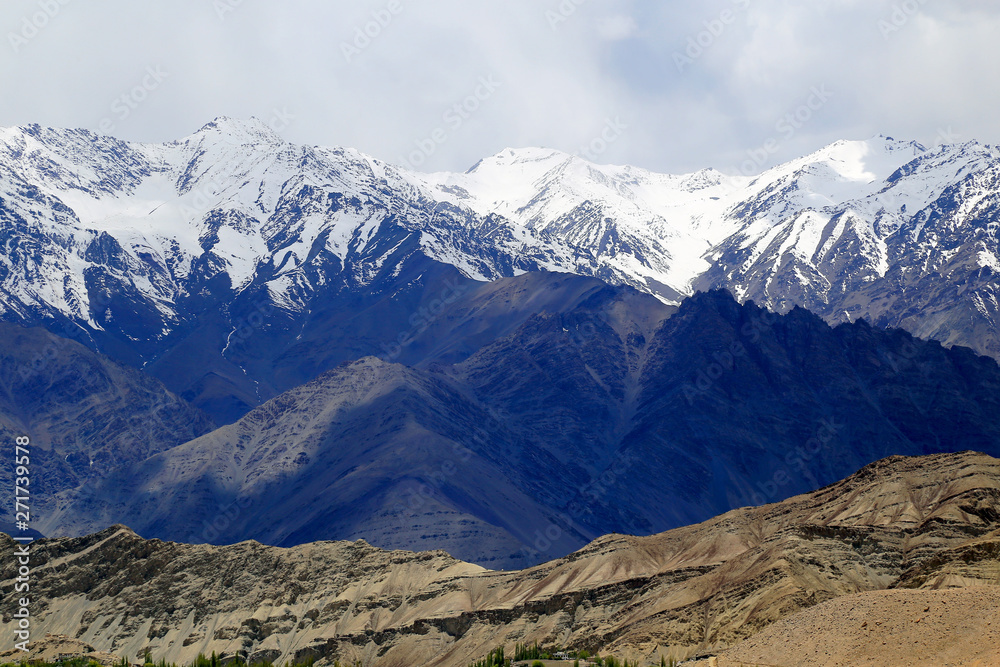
(526, 154)
(237, 131)
(864, 161)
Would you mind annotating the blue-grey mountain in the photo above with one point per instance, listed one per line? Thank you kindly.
(611, 416)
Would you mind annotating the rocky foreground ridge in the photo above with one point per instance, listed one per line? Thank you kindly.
(901, 523)
(57, 648)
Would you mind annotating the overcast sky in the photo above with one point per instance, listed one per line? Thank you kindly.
(670, 86)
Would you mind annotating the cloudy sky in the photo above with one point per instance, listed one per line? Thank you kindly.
(668, 85)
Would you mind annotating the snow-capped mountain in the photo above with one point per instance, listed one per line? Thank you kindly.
(889, 232)
(140, 249)
(645, 229)
(88, 219)
(885, 230)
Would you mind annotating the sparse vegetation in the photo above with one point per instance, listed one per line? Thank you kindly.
(523, 653)
(612, 661)
(494, 658)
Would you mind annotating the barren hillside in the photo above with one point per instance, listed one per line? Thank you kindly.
(901, 522)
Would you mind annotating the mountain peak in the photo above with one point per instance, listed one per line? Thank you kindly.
(250, 130)
(515, 156)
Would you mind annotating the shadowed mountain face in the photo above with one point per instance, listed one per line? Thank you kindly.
(901, 523)
(87, 416)
(415, 312)
(605, 417)
(395, 454)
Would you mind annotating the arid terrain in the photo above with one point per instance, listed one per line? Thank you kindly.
(900, 529)
(54, 648)
(957, 627)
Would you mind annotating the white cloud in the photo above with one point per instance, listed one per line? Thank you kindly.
(560, 82)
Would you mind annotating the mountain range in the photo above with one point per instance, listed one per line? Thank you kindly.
(618, 414)
(234, 265)
(538, 365)
(230, 336)
(86, 414)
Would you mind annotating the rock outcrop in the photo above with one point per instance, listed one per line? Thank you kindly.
(56, 648)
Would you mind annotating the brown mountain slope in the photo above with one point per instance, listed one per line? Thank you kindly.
(899, 522)
(956, 627)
